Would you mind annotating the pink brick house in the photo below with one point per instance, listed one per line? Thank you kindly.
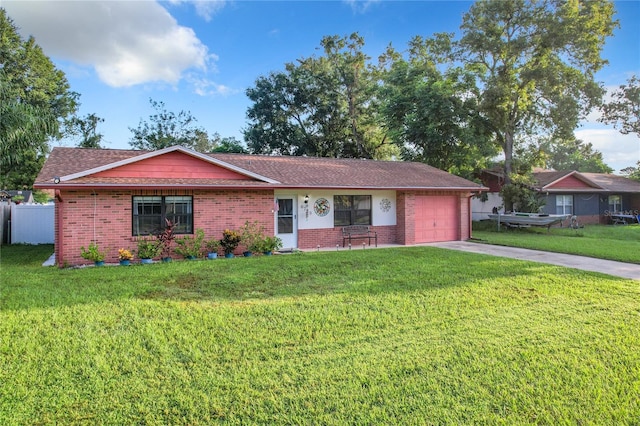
(114, 197)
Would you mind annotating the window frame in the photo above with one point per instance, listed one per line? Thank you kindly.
(561, 208)
(618, 204)
(164, 214)
(354, 213)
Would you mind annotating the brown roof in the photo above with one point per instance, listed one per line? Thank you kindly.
(614, 183)
(78, 165)
(598, 182)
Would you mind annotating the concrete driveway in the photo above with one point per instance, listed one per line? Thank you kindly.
(618, 269)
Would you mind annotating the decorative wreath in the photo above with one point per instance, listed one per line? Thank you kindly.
(321, 207)
(385, 205)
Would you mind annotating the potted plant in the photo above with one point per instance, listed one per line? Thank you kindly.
(18, 199)
(190, 247)
(252, 234)
(165, 239)
(212, 246)
(125, 257)
(270, 244)
(230, 241)
(147, 250)
(93, 253)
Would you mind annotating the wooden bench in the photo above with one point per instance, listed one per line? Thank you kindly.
(353, 232)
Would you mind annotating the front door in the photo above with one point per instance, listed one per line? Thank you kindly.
(286, 222)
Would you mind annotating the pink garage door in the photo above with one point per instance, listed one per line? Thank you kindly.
(437, 218)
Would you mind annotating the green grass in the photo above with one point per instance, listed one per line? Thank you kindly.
(410, 335)
(620, 243)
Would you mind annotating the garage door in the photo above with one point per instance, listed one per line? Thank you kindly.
(437, 218)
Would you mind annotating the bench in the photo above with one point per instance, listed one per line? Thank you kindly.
(358, 232)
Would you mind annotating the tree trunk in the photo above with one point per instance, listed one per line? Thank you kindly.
(508, 166)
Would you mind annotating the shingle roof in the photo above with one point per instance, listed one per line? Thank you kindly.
(288, 172)
(599, 182)
(614, 183)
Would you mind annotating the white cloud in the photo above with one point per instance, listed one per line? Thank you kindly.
(360, 6)
(618, 150)
(205, 87)
(126, 42)
(204, 8)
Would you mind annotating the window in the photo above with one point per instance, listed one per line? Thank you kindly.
(615, 204)
(150, 212)
(564, 204)
(351, 210)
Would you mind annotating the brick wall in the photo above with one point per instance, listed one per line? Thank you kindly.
(312, 238)
(105, 218)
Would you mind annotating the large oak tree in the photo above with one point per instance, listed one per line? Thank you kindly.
(535, 62)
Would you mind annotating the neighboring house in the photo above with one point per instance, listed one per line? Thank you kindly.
(592, 197)
(114, 197)
(11, 195)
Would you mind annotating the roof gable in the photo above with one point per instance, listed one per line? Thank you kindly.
(171, 162)
(172, 165)
(564, 180)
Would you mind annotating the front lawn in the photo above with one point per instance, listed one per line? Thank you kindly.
(412, 335)
(620, 243)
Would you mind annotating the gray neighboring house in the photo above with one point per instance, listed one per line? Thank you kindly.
(592, 197)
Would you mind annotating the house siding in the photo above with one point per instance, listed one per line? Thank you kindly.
(569, 182)
(105, 217)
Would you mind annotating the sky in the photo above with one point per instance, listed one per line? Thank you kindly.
(201, 56)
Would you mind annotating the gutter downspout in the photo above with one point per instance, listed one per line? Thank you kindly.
(59, 247)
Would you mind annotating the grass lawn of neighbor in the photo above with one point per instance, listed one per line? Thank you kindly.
(620, 242)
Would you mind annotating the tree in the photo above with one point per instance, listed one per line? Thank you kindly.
(165, 129)
(433, 115)
(86, 130)
(323, 106)
(624, 109)
(229, 144)
(566, 154)
(535, 62)
(632, 172)
(35, 98)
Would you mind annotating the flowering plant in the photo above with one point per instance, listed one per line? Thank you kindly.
(124, 254)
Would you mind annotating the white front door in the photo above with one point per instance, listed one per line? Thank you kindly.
(287, 221)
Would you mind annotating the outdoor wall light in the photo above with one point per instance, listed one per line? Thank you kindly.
(306, 199)
(56, 179)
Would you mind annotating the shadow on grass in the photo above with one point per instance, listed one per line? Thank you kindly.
(368, 272)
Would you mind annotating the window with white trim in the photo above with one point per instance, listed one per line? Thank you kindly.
(615, 203)
(151, 212)
(564, 204)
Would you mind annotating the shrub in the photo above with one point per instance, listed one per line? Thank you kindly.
(212, 245)
(252, 235)
(92, 253)
(190, 246)
(148, 249)
(230, 240)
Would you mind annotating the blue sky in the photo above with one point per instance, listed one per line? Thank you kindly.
(201, 56)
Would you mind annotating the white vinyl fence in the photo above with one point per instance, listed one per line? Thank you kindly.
(480, 210)
(32, 224)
